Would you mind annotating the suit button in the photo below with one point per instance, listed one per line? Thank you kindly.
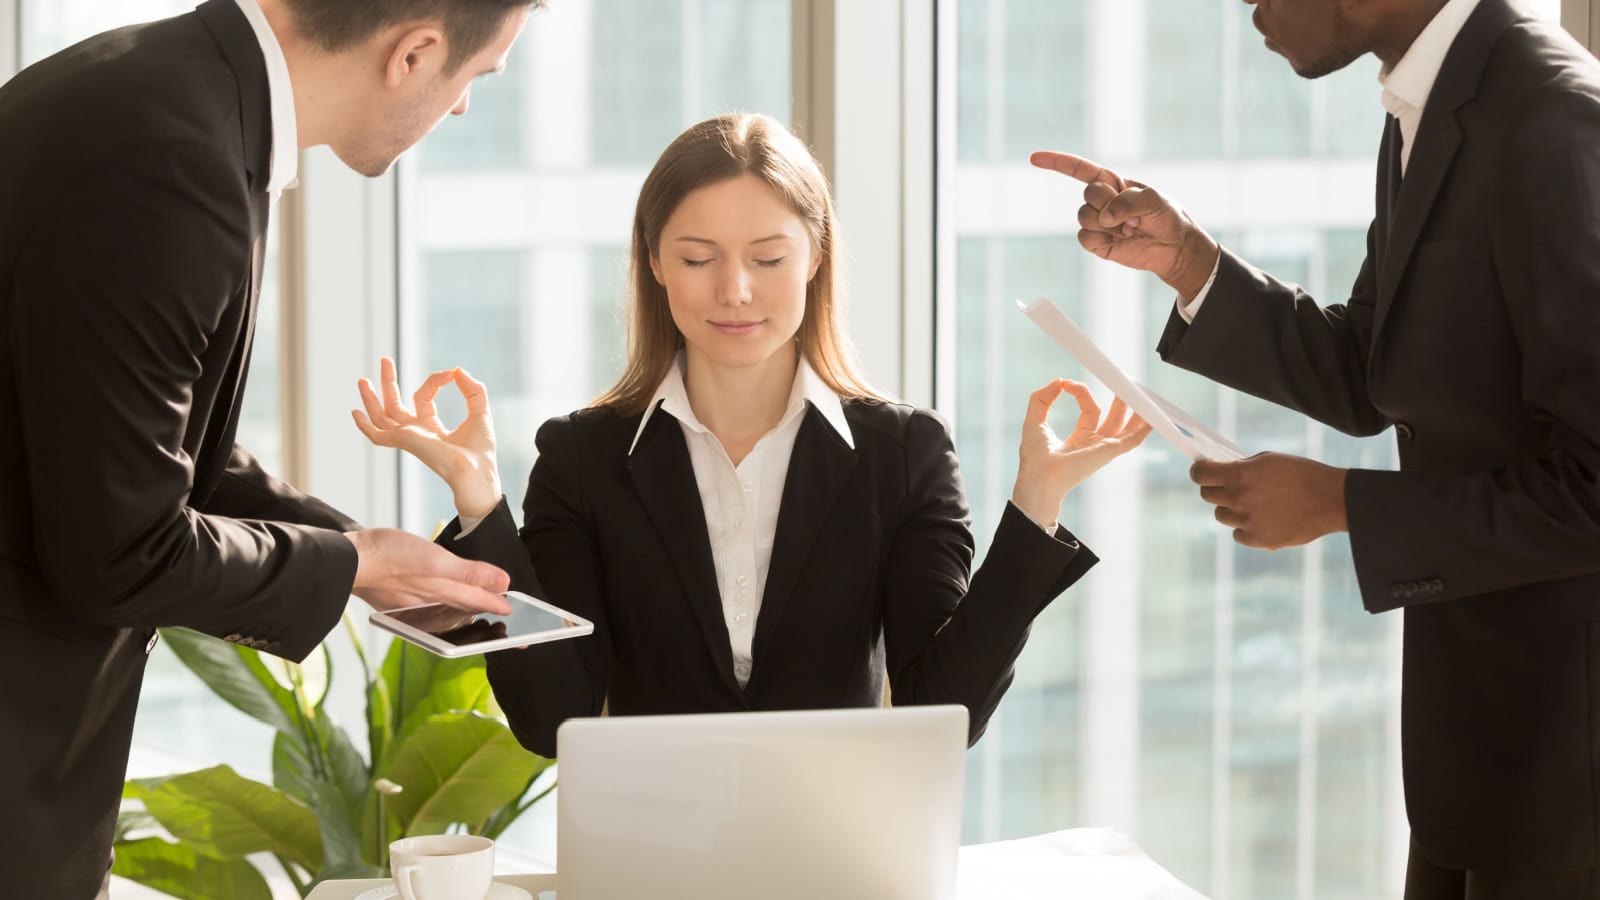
(1397, 590)
(234, 638)
(1436, 586)
(272, 647)
(1403, 431)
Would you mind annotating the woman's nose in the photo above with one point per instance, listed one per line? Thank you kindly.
(734, 285)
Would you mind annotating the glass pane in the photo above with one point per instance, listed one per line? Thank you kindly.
(513, 261)
(178, 715)
(1233, 710)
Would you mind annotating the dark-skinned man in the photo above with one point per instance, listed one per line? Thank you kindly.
(1473, 329)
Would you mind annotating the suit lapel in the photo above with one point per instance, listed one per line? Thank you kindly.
(818, 469)
(1438, 139)
(242, 50)
(663, 477)
(1388, 193)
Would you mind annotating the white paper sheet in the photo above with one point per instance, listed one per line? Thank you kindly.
(1081, 864)
(1168, 419)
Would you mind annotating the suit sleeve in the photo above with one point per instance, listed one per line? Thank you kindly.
(553, 557)
(948, 639)
(1536, 519)
(247, 491)
(115, 302)
(1271, 340)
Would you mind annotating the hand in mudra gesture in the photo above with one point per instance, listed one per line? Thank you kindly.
(1050, 466)
(463, 456)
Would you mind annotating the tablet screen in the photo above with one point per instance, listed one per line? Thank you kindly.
(460, 628)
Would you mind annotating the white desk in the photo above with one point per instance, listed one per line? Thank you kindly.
(1102, 863)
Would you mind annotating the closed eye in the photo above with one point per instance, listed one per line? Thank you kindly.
(695, 263)
(771, 263)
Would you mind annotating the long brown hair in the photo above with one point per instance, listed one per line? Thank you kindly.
(715, 150)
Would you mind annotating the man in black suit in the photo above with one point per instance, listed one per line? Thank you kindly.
(1474, 329)
(137, 170)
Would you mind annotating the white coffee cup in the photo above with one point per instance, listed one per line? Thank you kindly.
(442, 867)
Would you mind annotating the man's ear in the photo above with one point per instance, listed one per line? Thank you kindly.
(416, 50)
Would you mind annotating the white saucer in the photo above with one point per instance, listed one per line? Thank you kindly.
(499, 891)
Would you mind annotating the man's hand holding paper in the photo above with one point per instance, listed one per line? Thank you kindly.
(1270, 500)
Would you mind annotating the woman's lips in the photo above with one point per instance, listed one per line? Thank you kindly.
(737, 329)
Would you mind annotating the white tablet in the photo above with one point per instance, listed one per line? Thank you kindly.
(453, 632)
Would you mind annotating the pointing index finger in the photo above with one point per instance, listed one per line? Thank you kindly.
(1085, 170)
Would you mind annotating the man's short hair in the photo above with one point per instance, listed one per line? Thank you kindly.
(469, 25)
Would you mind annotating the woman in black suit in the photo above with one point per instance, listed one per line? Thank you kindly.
(746, 522)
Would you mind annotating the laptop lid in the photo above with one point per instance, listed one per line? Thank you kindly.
(843, 804)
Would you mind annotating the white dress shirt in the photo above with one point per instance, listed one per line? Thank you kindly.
(740, 502)
(1406, 89)
(285, 164)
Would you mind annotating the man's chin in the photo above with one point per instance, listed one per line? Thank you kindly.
(371, 167)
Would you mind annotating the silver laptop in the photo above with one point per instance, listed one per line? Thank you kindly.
(838, 804)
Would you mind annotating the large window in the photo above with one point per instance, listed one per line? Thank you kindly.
(515, 219)
(1234, 710)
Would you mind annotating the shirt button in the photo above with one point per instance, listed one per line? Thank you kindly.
(741, 618)
(742, 670)
(738, 524)
(742, 580)
(749, 487)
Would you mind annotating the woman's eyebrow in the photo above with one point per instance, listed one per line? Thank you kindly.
(707, 241)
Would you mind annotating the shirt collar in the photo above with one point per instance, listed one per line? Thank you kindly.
(285, 165)
(1411, 80)
(673, 397)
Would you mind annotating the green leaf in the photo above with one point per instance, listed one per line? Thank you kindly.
(458, 767)
(422, 685)
(176, 869)
(220, 814)
(131, 820)
(380, 719)
(336, 797)
(237, 675)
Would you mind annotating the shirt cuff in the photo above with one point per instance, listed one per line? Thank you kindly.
(1188, 309)
(1047, 529)
(468, 523)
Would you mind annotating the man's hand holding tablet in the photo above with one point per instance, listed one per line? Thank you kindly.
(452, 632)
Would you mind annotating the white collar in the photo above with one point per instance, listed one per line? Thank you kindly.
(285, 165)
(673, 396)
(1411, 80)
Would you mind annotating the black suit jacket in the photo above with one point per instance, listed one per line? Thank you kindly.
(869, 569)
(1473, 328)
(133, 168)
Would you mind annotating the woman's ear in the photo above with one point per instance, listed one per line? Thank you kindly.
(816, 262)
(655, 269)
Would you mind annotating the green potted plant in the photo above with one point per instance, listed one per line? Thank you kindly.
(441, 759)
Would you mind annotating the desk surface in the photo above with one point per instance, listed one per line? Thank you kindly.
(1084, 862)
